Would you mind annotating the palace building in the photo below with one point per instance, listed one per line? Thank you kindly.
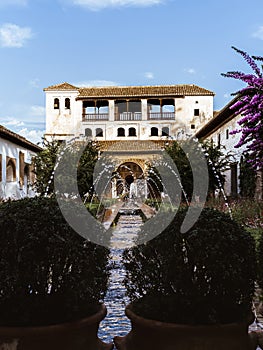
(120, 113)
(144, 119)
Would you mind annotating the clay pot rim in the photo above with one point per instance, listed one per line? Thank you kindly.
(60, 327)
(149, 323)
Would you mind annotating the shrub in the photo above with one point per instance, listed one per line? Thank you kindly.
(48, 273)
(260, 261)
(204, 276)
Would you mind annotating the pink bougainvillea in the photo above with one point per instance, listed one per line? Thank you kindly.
(250, 107)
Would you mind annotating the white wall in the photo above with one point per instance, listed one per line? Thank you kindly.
(14, 189)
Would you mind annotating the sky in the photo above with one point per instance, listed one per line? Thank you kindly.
(119, 42)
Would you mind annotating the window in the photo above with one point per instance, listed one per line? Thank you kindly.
(56, 103)
(88, 132)
(67, 103)
(154, 131)
(99, 132)
(10, 170)
(196, 112)
(132, 132)
(218, 140)
(120, 132)
(192, 126)
(227, 134)
(165, 131)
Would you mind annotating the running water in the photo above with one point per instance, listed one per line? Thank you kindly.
(116, 323)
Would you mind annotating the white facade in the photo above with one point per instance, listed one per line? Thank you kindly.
(121, 113)
(16, 174)
(219, 130)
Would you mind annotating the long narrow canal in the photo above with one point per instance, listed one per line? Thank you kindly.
(116, 323)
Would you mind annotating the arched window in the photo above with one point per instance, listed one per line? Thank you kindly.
(10, 171)
(56, 103)
(99, 132)
(154, 131)
(165, 131)
(132, 132)
(120, 132)
(67, 103)
(88, 132)
(26, 177)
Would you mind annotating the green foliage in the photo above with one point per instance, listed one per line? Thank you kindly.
(247, 177)
(44, 163)
(46, 160)
(204, 276)
(48, 273)
(181, 161)
(217, 164)
(260, 260)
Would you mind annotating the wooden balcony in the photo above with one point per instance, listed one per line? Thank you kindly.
(161, 116)
(128, 116)
(90, 117)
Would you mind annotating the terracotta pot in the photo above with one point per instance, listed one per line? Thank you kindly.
(154, 335)
(79, 335)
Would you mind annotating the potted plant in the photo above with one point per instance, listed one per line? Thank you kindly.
(192, 290)
(52, 280)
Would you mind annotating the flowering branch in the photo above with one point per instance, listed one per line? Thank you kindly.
(250, 107)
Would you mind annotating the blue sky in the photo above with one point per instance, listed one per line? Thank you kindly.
(124, 42)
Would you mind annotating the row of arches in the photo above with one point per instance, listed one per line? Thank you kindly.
(57, 103)
(98, 132)
(121, 132)
(11, 170)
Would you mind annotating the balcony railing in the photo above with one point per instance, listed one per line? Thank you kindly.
(161, 116)
(128, 116)
(95, 117)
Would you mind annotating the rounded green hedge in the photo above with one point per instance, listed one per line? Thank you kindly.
(204, 276)
(48, 273)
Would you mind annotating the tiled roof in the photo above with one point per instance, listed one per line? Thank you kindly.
(17, 139)
(133, 91)
(140, 91)
(63, 86)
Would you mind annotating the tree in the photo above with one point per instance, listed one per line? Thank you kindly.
(250, 107)
(247, 177)
(44, 164)
(46, 160)
(217, 164)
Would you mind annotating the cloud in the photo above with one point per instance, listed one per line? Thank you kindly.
(34, 83)
(37, 111)
(149, 75)
(13, 123)
(11, 35)
(226, 96)
(259, 33)
(96, 5)
(90, 83)
(190, 70)
(34, 136)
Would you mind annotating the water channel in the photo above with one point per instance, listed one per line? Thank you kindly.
(116, 323)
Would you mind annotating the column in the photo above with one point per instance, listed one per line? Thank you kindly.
(111, 110)
(144, 109)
